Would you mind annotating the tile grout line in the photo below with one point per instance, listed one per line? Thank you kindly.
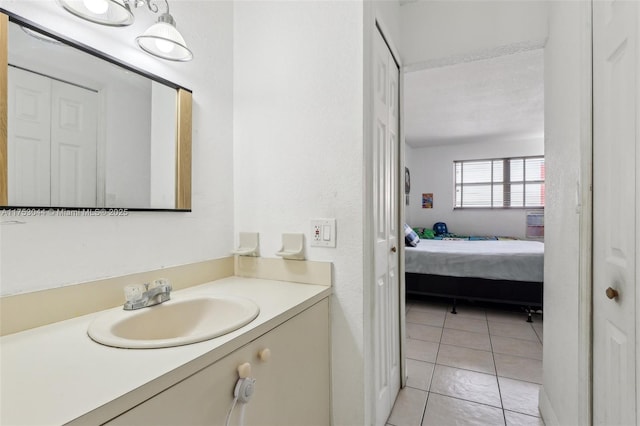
(484, 350)
(517, 356)
(473, 402)
(433, 373)
(435, 364)
(481, 372)
(495, 367)
(523, 414)
(538, 334)
(387, 422)
(537, 340)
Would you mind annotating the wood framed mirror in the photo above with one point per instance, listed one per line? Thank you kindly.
(67, 139)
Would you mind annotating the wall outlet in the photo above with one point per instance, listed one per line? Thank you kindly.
(323, 233)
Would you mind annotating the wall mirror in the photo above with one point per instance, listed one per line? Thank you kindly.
(81, 130)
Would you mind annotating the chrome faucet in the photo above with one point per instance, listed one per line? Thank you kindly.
(155, 293)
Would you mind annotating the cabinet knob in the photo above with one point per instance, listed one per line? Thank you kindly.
(264, 354)
(244, 370)
(394, 249)
(611, 293)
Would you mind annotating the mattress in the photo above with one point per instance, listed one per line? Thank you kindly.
(516, 260)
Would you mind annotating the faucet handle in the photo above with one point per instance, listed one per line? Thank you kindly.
(134, 292)
(161, 282)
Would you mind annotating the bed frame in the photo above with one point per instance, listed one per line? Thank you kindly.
(523, 293)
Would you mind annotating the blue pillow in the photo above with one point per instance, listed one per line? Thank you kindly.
(410, 236)
(440, 228)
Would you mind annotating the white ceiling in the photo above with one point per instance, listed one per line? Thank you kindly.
(500, 98)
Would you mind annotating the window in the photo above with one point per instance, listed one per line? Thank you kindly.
(500, 183)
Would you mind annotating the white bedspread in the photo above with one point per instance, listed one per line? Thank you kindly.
(498, 260)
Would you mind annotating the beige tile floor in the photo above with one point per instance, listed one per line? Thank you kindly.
(482, 366)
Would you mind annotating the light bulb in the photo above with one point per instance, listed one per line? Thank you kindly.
(164, 46)
(98, 7)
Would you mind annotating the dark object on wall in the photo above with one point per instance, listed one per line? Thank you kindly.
(407, 181)
(440, 228)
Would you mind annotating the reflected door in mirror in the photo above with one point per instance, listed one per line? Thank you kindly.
(52, 142)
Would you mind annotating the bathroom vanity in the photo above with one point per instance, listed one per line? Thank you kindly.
(291, 384)
(56, 374)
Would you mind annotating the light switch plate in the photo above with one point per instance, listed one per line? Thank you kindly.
(323, 233)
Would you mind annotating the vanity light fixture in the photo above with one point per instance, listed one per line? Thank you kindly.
(39, 36)
(115, 13)
(162, 39)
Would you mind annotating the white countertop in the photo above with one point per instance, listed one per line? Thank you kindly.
(56, 374)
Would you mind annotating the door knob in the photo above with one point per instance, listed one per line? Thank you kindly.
(394, 249)
(611, 293)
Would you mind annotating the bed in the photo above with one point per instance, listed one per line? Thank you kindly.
(504, 271)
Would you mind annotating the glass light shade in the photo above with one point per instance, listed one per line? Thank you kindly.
(116, 13)
(39, 36)
(163, 40)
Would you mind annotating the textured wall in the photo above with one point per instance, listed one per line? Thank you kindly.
(298, 153)
(445, 32)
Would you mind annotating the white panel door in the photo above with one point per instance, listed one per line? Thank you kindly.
(29, 114)
(615, 153)
(386, 321)
(73, 145)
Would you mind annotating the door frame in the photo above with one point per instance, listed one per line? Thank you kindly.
(584, 194)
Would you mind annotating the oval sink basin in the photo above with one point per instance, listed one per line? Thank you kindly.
(179, 321)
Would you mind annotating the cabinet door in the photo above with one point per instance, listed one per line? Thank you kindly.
(292, 387)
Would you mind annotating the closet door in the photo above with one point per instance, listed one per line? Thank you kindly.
(615, 199)
(29, 114)
(73, 145)
(386, 293)
(52, 142)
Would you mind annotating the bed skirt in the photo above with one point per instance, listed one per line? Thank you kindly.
(525, 293)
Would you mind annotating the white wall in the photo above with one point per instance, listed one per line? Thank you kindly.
(298, 153)
(432, 172)
(128, 146)
(163, 151)
(54, 251)
(445, 32)
(565, 100)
